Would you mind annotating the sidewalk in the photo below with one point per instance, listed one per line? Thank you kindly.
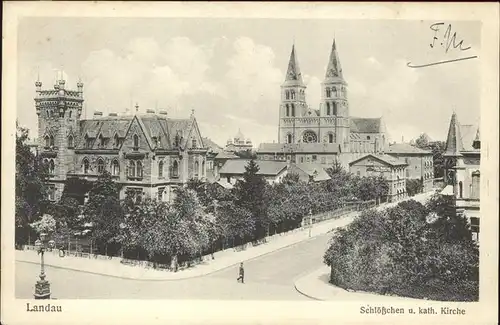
(223, 259)
(316, 286)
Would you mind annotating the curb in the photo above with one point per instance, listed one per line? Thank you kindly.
(178, 279)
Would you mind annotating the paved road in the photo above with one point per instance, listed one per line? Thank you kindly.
(269, 277)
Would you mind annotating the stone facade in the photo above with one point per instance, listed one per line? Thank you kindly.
(149, 154)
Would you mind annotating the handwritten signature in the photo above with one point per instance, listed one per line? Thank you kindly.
(448, 41)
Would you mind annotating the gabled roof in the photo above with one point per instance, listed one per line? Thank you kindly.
(366, 125)
(226, 155)
(468, 132)
(266, 167)
(387, 159)
(402, 148)
(314, 170)
(287, 148)
(211, 145)
(460, 137)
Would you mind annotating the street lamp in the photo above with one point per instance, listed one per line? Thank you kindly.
(42, 286)
(310, 222)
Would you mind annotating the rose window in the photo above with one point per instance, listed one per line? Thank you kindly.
(309, 137)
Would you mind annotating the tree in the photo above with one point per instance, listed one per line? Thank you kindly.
(250, 194)
(76, 188)
(246, 154)
(104, 210)
(414, 186)
(422, 141)
(46, 224)
(233, 222)
(31, 189)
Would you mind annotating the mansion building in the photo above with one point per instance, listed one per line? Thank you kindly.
(326, 134)
(148, 154)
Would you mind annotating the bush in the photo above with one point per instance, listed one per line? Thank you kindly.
(398, 252)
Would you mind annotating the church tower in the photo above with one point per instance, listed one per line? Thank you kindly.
(59, 111)
(293, 100)
(334, 107)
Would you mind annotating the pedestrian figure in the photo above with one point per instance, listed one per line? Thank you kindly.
(242, 274)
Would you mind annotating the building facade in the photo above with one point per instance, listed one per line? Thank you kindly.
(391, 169)
(345, 137)
(273, 171)
(148, 154)
(238, 143)
(420, 163)
(462, 170)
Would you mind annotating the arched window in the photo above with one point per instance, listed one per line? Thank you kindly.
(288, 138)
(196, 168)
(139, 169)
(292, 93)
(460, 189)
(330, 138)
(194, 144)
(136, 141)
(100, 166)
(328, 92)
(203, 168)
(160, 169)
(131, 168)
(334, 108)
(70, 141)
(327, 108)
(52, 166)
(115, 141)
(476, 186)
(86, 166)
(51, 140)
(115, 167)
(287, 110)
(293, 110)
(287, 94)
(334, 92)
(47, 141)
(70, 113)
(175, 170)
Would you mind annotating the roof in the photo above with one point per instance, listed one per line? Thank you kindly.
(468, 132)
(153, 125)
(389, 160)
(298, 148)
(226, 155)
(293, 74)
(366, 125)
(266, 167)
(333, 70)
(312, 169)
(402, 148)
(225, 185)
(211, 145)
(460, 137)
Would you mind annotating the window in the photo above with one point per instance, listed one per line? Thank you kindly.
(287, 110)
(474, 225)
(228, 179)
(51, 140)
(327, 108)
(330, 138)
(47, 141)
(287, 94)
(116, 141)
(100, 166)
(328, 93)
(203, 169)
(358, 173)
(407, 173)
(52, 167)
(160, 193)
(115, 169)
(70, 113)
(139, 169)
(131, 168)
(193, 143)
(293, 110)
(288, 138)
(367, 137)
(475, 185)
(314, 157)
(301, 159)
(334, 108)
(70, 141)
(136, 142)
(334, 92)
(160, 169)
(175, 170)
(88, 142)
(52, 193)
(292, 94)
(196, 168)
(86, 166)
(309, 137)
(460, 189)
(323, 160)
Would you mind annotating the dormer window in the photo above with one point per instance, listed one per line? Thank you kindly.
(88, 142)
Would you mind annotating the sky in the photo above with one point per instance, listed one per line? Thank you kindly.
(230, 70)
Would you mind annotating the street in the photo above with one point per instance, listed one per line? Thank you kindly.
(268, 277)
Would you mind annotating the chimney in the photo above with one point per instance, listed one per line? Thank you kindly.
(113, 114)
(97, 114)
(163, 113)
(150, 111)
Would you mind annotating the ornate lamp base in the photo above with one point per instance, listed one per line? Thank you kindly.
(42, 289)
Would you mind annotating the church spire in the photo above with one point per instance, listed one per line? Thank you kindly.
(293, 74)
(334, 70)
(454, 141)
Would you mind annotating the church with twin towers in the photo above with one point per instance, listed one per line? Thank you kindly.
(326, 133)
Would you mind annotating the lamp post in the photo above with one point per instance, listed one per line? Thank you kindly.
(310, 222)
(42, 286)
